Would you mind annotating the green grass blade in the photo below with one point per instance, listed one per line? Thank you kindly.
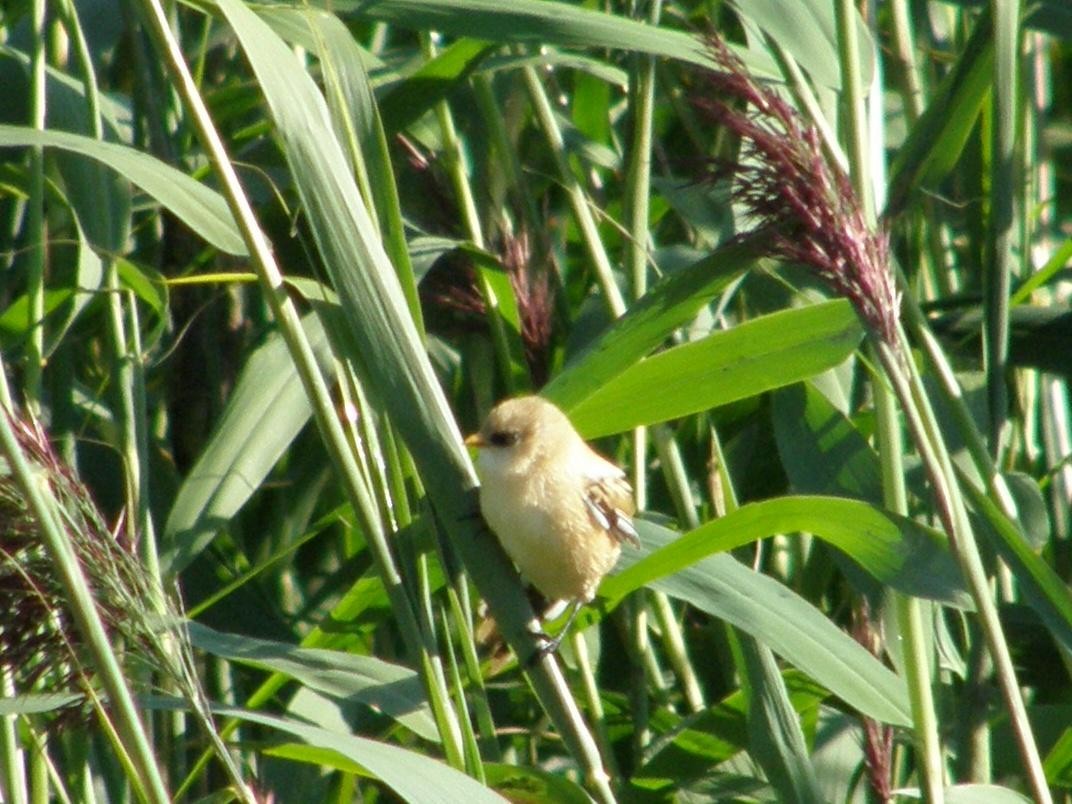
(264, 413)
(937, 139)
(668, 305)
(391, 351)
(413, 776)
(539, 22)
(897, 550)
(786, 623)
(384, 687)
(753, 357)
(199, 207)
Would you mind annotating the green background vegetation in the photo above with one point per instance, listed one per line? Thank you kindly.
(263, 265)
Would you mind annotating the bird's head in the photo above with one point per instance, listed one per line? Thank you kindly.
(520, 433)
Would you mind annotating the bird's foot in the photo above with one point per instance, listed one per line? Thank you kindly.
(547, 645)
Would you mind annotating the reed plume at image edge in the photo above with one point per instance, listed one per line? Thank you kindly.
(40, 645)
(799, 206)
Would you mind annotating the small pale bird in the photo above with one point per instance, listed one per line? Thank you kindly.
(560, 510)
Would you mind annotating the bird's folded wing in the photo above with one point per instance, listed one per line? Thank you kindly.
(610, 503)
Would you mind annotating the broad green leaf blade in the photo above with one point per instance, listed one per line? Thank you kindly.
(774, 734)
(384, 687)
(542, 23)
(667, 306)
(936, 141)
(266, 410)
(1041, 587)
(807, 30)
(199, 207)
(523, 784)
(894, 549)
(413, 776)
(790, 626)
(983, 794)
(820, 449)
(757, 356)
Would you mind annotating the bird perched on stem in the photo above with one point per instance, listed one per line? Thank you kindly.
(560, 509)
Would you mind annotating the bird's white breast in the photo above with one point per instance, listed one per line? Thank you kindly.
(543, 523)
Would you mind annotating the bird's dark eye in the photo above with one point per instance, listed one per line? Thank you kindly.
(505, 438)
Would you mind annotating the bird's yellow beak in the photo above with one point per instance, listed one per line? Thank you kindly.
(475, 440)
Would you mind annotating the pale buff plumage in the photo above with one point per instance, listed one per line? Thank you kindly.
(560, 510)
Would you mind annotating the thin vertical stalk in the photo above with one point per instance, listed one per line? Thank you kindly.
(13, 778)
(638, 178)
(84, 612)
(637, 195)
(917, 655)
(905, 51)
(35, 223)
(454, 159)
(40, 790)
(473, 765)
(938, 466)
(677, 653)
(478, 695)
(636, 191)
(596, 714)
(856, 110)
(1001, 226)
(578, 199)
(642, 660)
(551, 685)
(909, 610)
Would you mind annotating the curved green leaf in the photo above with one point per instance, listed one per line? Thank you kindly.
(789, 625)
(667, 306)
(199, 207)
(266, 410)
(765, 353)
(542, 23)
(384, 687)
(897, 550)
(411, 775)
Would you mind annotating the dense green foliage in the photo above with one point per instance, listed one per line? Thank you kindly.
(263, 265)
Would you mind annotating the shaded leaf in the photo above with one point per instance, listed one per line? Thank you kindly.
(266, 410)
(384, 687)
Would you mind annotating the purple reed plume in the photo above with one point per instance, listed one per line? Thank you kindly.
(802, 208)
